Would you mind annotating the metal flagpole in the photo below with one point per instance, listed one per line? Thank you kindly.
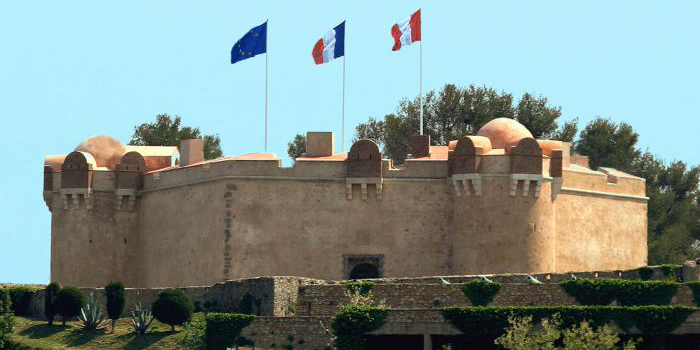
(342, 132)
(420, 73)
(267, 53)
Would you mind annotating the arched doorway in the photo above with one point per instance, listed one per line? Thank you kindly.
(364, 270)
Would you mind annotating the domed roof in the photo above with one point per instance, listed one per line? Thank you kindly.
(106, 150)
(504, 132)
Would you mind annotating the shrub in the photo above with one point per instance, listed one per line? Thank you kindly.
(114, 293)
(480, 293)
(193, 333)
(351, 323)
(490, 321)
(645, 273)
(50, 293)
(68, 302)
(21, 299)
(6, 316)
(172, 307)
(671, 272)
(645, 292)
(222, 330)
(361, 287)
(588, 291)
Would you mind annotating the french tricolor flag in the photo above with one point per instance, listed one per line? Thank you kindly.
(406, 31)
(331, 46)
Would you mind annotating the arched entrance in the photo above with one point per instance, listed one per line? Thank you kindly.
(364, 270)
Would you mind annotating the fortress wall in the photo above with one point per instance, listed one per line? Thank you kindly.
(596, 181)
(419, 169)
(89, 247)
(497, 233)
(599, 232)
(268, 222)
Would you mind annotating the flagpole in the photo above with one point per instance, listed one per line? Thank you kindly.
(267, 53)
(420, 79)
(342, 132)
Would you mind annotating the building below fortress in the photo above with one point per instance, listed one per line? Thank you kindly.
(497, 202)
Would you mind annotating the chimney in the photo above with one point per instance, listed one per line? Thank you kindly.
(191, 151)
(420, 146)
(319, 144)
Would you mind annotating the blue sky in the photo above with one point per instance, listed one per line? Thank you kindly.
(72, 69)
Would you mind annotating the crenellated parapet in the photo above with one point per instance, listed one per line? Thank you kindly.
(76, 180)
(526, 166)
(130, 172)
(364, 167)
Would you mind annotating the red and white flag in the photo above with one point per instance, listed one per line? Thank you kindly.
(406, 31)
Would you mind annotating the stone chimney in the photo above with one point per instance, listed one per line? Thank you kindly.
(420, 146)
(191, 151)
(319, 144)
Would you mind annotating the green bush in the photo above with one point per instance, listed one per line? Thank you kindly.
(490, 321)
(480, 293)
(68, 302)
(21, 299)
(222, 330)
(50, 294)
(588, 291)
(645, 273)
(114, 294)
(6, 316)
(173, 307)
(361, 287)
(352, 321)
(671, 272)
(645, 292)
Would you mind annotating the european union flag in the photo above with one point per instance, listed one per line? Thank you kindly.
(251, 44)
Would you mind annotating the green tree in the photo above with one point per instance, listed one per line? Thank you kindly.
(50, 308)
(454, 112)
(114, 293)
(608, 144)
(173, 307)
(69, 301)
(297, 146)
(166, 131)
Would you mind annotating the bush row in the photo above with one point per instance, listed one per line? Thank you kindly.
(627, 293)
(490, 321)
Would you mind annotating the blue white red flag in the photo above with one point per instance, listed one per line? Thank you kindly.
(406, 32)
(330, 46)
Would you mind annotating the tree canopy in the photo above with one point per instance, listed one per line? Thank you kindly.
(297, 146)
(454, 112)
(166, 131)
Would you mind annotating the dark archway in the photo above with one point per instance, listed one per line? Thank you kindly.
(361, 271)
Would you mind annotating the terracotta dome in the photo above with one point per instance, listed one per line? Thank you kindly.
(106, 150)
(504, 132)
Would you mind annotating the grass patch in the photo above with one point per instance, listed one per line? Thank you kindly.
(38, 334)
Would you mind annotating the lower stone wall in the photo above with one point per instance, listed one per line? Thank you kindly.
(289, 333)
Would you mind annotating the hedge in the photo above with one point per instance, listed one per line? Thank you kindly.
(490, 321)
(480, 293)
(352, 321)
(222, 329)
(21, 299)
(645, 273)
(627, 293)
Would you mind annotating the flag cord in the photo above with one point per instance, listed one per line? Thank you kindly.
(267, 53)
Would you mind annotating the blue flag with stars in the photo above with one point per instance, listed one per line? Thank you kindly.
(251, 44)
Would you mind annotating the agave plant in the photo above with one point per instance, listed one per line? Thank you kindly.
(140, 318)
(91, 315)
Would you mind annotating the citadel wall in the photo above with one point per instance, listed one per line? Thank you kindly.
(460, 209)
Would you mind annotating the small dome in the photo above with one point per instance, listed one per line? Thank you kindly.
(504, 132)
(106, 150)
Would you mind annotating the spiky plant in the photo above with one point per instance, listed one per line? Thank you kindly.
(91, 315)
(140, 318)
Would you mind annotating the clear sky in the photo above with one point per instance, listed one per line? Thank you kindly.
(72, 69)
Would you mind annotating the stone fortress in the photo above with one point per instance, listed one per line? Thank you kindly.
(498, 202)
